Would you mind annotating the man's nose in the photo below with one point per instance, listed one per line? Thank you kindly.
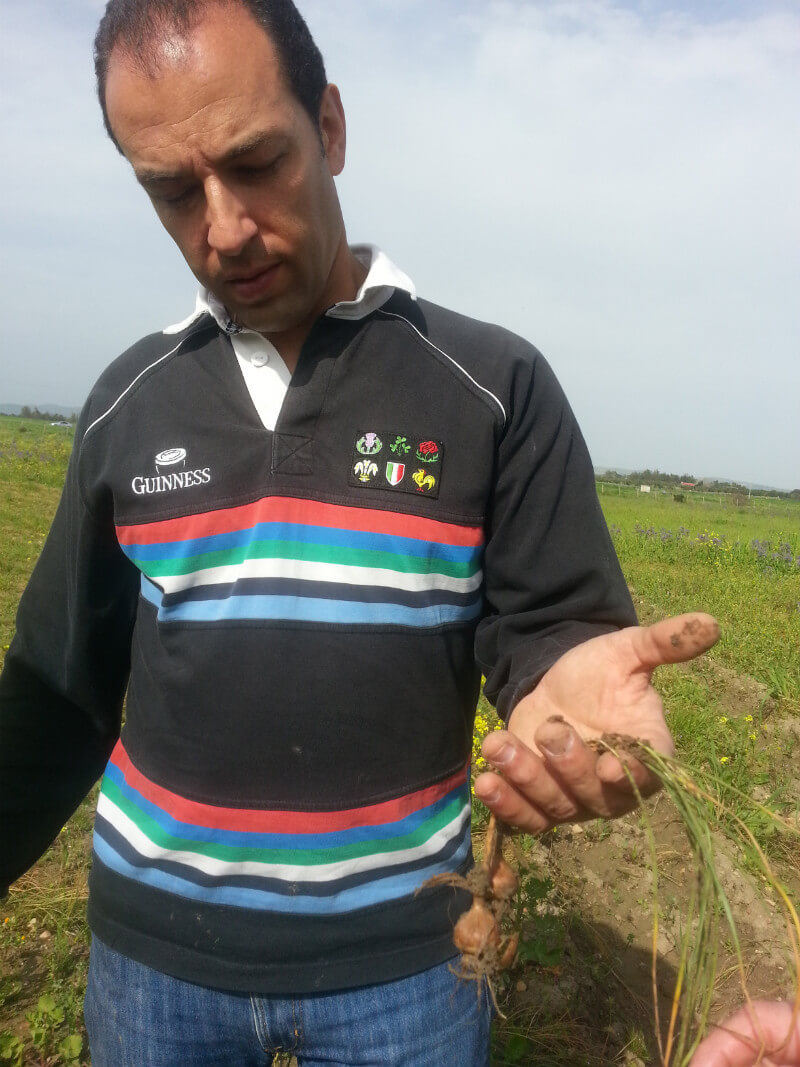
(230, 227)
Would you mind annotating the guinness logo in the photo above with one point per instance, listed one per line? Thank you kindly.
(171, 474)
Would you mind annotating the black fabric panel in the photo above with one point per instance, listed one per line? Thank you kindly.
(298, 718)
(245, 951)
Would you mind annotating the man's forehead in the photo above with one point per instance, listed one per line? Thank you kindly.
(223, 42)
(174, 38)
(221, 84)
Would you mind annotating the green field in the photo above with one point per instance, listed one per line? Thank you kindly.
(739, 562)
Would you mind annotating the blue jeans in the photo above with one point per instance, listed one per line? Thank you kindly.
(138, 1017)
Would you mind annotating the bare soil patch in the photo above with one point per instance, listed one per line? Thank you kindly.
(598, 1001)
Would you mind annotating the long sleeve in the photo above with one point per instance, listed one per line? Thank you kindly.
(64, 677)
(552, 579)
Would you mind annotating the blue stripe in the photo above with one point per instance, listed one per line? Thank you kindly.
(308, 609)
(151, 592)
(301, 534)
(379, 891)
(114, 840)
(247, 839)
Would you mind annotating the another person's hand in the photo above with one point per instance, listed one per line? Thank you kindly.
(548, 774)
(766, 1033)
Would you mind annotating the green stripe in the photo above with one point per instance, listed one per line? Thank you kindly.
(351, 557)
(289, 856)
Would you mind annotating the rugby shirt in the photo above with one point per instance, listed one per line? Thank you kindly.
(301, 617)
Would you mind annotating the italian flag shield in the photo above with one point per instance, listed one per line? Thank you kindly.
(395, 472)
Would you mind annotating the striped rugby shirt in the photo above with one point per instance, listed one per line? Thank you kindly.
(301, 615)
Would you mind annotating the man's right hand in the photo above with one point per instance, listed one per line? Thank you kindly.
(738, 1042)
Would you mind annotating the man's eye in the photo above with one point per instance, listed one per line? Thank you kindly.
(256, 170)
(176, 199)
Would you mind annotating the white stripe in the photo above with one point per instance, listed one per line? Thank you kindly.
(313, 571)
(453, 361)
(125, 391)
(328, 872)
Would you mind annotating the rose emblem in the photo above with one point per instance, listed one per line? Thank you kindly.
(428, 452)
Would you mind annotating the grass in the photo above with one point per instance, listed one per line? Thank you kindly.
(677, 557)
(738, 563)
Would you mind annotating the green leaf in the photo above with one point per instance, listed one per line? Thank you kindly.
(12, 1050)
(544, 943)
(46, 1005)
(71, 1048)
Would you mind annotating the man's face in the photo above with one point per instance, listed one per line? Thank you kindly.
(239, 175)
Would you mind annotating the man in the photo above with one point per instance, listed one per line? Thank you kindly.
(304, 520)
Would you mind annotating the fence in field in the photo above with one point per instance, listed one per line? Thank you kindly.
(773, 505)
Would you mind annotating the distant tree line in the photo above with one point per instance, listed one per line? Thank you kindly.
(46, 416)
(688, 483)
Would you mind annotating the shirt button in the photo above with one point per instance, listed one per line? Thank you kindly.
(261, 359)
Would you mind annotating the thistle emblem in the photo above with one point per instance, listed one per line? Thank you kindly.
(369, 445)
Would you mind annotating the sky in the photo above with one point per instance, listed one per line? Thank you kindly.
(615, 181)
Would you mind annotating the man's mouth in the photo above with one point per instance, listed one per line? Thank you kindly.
(252, 285)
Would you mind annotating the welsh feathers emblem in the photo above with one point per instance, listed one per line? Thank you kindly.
(366, 470)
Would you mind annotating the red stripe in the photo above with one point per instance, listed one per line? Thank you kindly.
(279, 822)
(304, 512)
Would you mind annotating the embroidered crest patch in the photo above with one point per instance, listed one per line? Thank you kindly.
(426, 482)
(381, 461)
(428, 451)
(395, 472)
(365, 470)
(369, 445)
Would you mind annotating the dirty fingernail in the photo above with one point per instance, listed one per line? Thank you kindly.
(558, 742)
(503, 756)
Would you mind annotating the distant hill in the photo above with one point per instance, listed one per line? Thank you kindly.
(56, 409)
(600, 471)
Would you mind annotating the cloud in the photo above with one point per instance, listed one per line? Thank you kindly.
(617, 182)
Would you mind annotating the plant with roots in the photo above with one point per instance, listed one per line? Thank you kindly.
(707, 806)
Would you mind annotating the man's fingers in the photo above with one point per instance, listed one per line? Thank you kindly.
(770, 1026)
(530, 776)
(561, 785)
(674, 640)
(599, 784)
(510, 805)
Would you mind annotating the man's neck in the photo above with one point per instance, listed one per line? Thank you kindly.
(348, 276)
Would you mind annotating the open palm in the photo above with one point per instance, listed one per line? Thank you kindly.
(602, 686)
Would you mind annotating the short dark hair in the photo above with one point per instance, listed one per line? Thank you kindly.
(135, 25)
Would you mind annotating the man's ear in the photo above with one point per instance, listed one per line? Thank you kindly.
(333, 129)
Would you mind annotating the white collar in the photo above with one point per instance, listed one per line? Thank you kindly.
(383, 277)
